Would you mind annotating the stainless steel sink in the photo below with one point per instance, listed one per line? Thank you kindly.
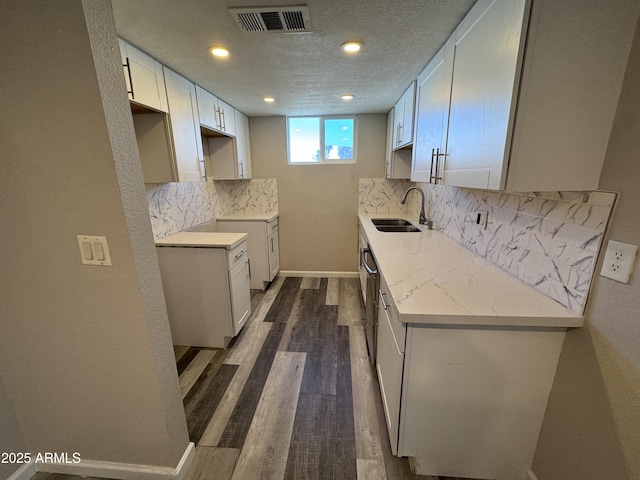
(390, 221)
(397, 228)
(394, 225)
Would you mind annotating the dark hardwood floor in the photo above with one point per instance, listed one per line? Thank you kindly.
(293, 397)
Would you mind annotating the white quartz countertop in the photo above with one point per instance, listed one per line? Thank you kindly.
(202, 239)
(266, 217)
(435, 280)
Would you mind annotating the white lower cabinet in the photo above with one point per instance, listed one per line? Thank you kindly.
(207, 293)
(263, 247)
(464, 400)
(389, 365)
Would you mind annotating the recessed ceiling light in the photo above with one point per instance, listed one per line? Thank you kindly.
(269, 99)
(219, 52)
(347, 96)
(351, 47)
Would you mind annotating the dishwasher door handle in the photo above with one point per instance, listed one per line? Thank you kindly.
(370, 271)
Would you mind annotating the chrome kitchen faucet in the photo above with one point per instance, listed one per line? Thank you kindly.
(423, 217)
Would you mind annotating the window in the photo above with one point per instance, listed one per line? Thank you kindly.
(314, 140)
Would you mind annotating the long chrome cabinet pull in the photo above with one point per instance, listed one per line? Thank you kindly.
(438, 155)
(382, 302)
(128, 65)
(431, 176)
(435, 160)
(369, 270)
(240, 254)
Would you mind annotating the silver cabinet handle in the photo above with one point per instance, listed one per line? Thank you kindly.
(128, 66)
(219, 119)
(223, 120)
(241, 170)
(249, 265)
(431, 176)
(240, 254)
(370, 271)
(382, 302)
(271, 244)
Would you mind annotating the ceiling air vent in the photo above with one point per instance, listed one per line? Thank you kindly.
(272, 19)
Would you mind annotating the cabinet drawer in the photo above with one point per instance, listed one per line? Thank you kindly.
(386, 303)
(272, 226)
(237, 255)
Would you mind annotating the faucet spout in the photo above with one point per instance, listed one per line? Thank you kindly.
(423, 217)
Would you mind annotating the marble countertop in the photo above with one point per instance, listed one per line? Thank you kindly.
(202, 239)
(266, 217)
(435, 280)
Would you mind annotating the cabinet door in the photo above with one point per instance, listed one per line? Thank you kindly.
(409, 100)
(398, 162)
(432, 117)
(389, 365)
(207, 108)
(185, 128)
(274, 254)
(144, 78)
(403, 118)
(486, 63)
(240, 295)
(243, 145)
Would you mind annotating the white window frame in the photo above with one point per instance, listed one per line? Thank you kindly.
(326, 161)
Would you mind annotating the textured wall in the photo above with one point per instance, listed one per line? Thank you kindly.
(85, 351)
(592, 424)
(318, 203)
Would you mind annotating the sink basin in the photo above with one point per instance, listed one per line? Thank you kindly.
(397, 228)
(390, 221)
(393, 225)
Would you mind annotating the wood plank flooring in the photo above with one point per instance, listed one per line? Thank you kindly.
(293, 397)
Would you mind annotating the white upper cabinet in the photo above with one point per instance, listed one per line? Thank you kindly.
(398, 162)
(484, 86)
(403, 118)
(433, 93)
(533, 93)
(215, 114)
(185, 128)
(144, 78)
(243, 145)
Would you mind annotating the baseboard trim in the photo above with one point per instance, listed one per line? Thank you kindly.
(317, 273)
(25, 472)
(121, 471)
(530, 475)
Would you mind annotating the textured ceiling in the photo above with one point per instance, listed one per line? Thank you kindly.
(305, 72)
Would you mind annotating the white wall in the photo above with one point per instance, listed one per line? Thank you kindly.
(318, 223)
(592, 424)
(85, 351)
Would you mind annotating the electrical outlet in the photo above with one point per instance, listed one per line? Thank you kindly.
(618, 261)
(481, 219)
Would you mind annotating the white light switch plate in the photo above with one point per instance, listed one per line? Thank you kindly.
(94, 250)
(618, 261)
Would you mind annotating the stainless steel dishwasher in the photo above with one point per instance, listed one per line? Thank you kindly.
(371, 314)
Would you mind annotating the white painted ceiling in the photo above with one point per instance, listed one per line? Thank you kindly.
(305, 72)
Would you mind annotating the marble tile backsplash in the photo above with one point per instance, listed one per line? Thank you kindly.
(549, 240)
(259, 196)
(174, 207)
